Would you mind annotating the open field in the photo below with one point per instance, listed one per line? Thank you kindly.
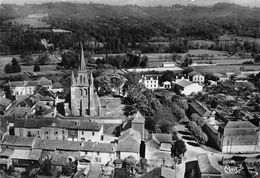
(224, 68)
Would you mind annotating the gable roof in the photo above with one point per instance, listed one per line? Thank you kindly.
(11, 140)
(183, 83)
(58, 123)
(138, 118)
(44, 81)
(128, 144)
(130, 132)
(4, 101)
(199, 108)
(56, 85)
(205, 165)
(163, 138)
(240, 124)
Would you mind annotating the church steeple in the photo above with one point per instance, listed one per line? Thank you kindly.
(82, 59)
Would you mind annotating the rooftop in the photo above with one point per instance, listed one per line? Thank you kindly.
(199, 108)
(205, 165)
(138, 118)
(183, 83)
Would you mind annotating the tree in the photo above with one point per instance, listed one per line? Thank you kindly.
(257, 59)
(36, 67)
(103, 85)
(69, 168)
(213, 103)
(12, 67)
(129, 163)
(8, 68)
(182, 103)
(178, 112)
(199, 120)
(43, 59)
(167, 76)
(178, 149)
(15, 66)
(46, 168)
(196, 131)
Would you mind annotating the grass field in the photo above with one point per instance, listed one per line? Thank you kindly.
(224, 68)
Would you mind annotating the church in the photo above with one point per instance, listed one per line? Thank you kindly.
(84, 100)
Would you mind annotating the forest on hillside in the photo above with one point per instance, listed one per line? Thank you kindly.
(117, 26)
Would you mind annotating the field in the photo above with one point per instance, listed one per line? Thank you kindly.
(225, 68)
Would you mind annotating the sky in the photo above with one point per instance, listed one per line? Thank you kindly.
(250, 3)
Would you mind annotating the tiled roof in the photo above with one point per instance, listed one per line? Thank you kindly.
(18, 141)
(240, 124)
(74, 146)
(26, 154)
(5, 101)
(130, 132)
(44, 81)
(47, 122)
(128, 144)
(163, 138)
(7, 153)
(199, 108)
(206, 166)
(138, 118)
(183, 83)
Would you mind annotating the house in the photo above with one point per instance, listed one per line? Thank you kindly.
(138, 124)
(238, 137)
(151, 81)
(207, 167)
(5, 104)
(167, 85)
(197, 78)
(164, 141)
(59, 129)
(187, 88)
(26, 158)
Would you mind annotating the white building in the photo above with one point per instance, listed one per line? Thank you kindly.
(151, 81)
(197, 78)
(187, 88)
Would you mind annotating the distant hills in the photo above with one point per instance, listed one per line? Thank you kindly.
(250, 3)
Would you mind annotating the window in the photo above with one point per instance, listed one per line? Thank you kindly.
(56, 133)
(46, 132)
(38, 132)
(98, 153)
(154, 85)
(63, 137)
(72, 132)
(102, 137)
(82, 139)
(29, 134)
(63, 132)
(93, 133)
(82, 133)
(81, 92)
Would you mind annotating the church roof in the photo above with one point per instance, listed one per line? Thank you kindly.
(82, 59)
(138, 118)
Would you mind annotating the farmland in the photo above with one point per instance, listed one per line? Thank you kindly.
(224, 68)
